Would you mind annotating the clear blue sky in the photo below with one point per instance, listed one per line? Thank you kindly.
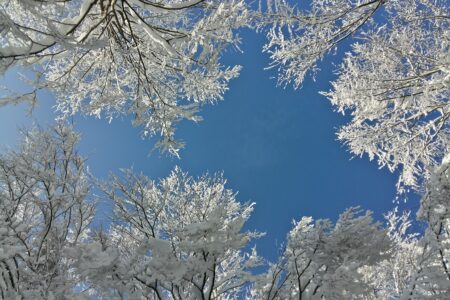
(276, 147)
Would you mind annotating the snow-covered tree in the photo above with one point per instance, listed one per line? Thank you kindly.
(394, 82)
(432, 277)
(184, 238)
(44, 210)
(389, 278)
(179, 238)
(325, 261)
(419, 264)
(156, 60)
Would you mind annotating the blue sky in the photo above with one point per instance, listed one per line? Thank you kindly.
(277, 147)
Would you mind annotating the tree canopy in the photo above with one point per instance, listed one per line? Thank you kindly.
(394, 80)
(158, 61)
(182, 237)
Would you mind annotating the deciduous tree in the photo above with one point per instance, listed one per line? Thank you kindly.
(325, 261)
(179, 238)
(432, 276)
(45, 209)
(156, 60)
(394, 82)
